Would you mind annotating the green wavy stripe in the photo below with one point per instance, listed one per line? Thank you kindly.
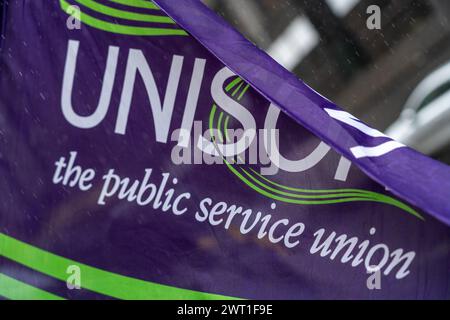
(369, 195)
(288, 200)
(310, 190)
(284, 199)
(344, 195)
(116, 13)
(243, 92)
(16, 290)
(330, 193)
(232, 84)
(137, 4)
(276, 197)
(227, 120)
(353, 191)
(93, 279)
(380, 198)
(315, 191)
(212, 114)
(121, 29)
(219, 125)
(304, 196)
(364, 195)
(237, 89)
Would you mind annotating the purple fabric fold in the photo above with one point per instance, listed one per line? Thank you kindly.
(408, 174)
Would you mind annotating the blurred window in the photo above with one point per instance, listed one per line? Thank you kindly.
(439, 91)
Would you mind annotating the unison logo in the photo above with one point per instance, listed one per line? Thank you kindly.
(226, 91)
(126, 17)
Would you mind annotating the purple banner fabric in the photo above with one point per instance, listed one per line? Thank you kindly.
(103, 197)
(405, 172)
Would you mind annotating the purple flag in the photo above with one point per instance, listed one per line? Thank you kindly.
(149, 151)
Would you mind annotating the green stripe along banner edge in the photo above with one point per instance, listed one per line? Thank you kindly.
(13, 289)
(93, 279)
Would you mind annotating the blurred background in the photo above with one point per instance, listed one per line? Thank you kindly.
(395, 78)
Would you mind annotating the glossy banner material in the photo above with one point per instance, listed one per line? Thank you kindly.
(122, 176)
